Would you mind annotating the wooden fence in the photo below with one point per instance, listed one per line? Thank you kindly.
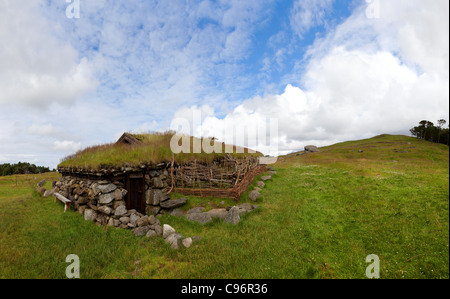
(235, 192)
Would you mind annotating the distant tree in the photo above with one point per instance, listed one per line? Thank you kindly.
(428, 131)
(21, 168)
(441, 123)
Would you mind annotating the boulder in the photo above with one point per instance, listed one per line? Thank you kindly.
(141, 231)
(254, 195)
(90, 215)
(105, 210)
(158, 230)
(107, 188)
(260, 184)
(233, 216)
(155, 197)
(106, 198)
(134, 218)
(199, 217)
(174, 240)
(266, 178)
(124, 220)
(218, 213)
(245, 206)
(311, 149)
(143, 221)
(152, 210)
(176, 212)
(118, 194)
(82, 200)
(173, 203)
(41, 183)
(151, 234)
(120, 211)
(48, 193)
(187, 242)
(157, 183)
(168, 230)
(195, 210)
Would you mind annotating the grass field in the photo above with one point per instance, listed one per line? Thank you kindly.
(319, 217)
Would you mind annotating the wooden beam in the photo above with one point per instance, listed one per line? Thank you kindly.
(65, 201)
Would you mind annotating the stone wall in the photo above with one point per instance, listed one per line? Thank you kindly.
(103, 201)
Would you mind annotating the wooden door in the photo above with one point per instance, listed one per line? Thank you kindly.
(136, 193)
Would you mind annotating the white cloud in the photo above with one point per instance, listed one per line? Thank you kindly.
(307, 14)
(66, 146)
(360, 81)
(36, 68)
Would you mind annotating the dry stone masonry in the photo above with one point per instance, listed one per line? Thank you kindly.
(105, 203)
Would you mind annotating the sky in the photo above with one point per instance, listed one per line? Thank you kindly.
(77, 73)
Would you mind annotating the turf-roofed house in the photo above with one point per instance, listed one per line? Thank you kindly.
(140, 171)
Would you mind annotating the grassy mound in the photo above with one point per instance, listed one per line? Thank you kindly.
(154, 148)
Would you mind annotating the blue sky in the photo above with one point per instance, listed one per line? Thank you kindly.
(327, 70)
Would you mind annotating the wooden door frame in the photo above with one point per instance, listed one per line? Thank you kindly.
(142, 204)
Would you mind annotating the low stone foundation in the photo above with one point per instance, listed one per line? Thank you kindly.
(104, 202)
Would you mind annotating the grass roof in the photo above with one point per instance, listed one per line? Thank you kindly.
(154, 149)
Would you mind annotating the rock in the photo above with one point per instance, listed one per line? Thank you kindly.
(124, 220)
(111, 222)
(120, 211)
(107, 188)
(81, 209)
(260, 184)
(141, 231)
(271, 172)
(270, 168)
(266, 178)
(157, 183)
(258, 189)
(143, 221)
(151, 210)
(233, 216)
(254, 195)
(199, 217)
(245, 206)
(102, 219)
(155, 197)
(134, 218)
(106, 198)
(82, 200)
(41, 183)
(41, 190)
(116, 222)
(103, 183)
(311, 149)
(49, 192)
(173, 203)
(90, 215)
(168, 230)
(158, 230)
(118, 194)
(195, 210)
(217, 213)
(105, 210)
(174, 240)
(151, 219)
(187, 242)
(176, 212)
(151, 234)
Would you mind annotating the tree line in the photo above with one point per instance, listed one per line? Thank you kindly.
(427, 130)
(22, 168)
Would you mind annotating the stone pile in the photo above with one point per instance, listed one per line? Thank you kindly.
(177, 240)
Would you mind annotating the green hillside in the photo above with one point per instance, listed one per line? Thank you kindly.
(321, 215)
